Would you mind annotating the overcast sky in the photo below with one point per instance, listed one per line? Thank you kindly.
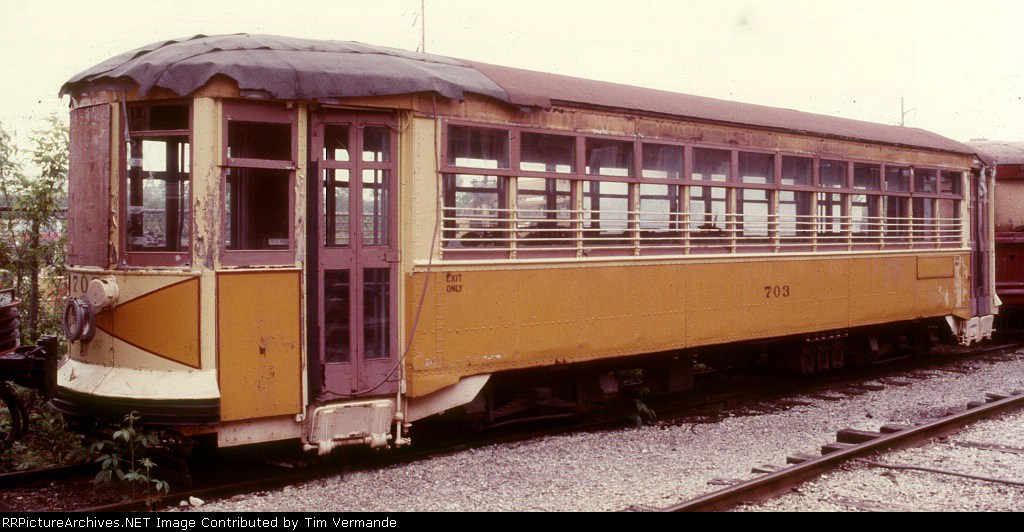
(957, 63)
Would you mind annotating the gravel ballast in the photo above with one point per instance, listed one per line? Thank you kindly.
(860, 487)
(656, 466)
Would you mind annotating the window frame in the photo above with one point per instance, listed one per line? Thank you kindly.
(516, 159)
(503, 225)
(154, 259)
(513, 147)
(246, 111)
(846, 240)
(537, 245)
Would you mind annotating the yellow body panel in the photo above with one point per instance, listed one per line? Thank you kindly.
(934, 267)
(259, 344)
(126, 341)
(164, 322)
(486, 319)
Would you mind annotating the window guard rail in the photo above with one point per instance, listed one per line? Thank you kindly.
(584, 230)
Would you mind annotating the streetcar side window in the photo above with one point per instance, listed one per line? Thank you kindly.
(158, 118)
(259, 178)
(794, 217)
(257, 198)
(609, 157)
(924, 220)
(949, 182)
(157, 184)
(509, 189)
(829, 218)
(866, 209)
(754, 206)
(897, 179)
(477, 147)
(865, 218)
(752, 213)
(925, 181)
(547, 153)
(897, 208)
(757, 168)
(257, 209)
(797, 171)
(259, 140)
(606, 214)
(867, 176)
(897, 217)
(662, 161)
(832, 174)
(543, 208)
(661, 218)
(709, 217)
(475, 202)
(948, 221)
(475, 211)
(712, 165)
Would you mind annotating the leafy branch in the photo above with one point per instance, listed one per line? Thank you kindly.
(124, 463)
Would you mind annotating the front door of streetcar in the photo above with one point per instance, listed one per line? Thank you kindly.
(353, 156)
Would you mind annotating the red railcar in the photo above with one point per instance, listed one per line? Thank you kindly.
(1008, 160)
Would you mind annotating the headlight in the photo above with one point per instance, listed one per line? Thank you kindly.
(79, 320)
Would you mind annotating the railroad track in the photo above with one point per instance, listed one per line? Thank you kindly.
(34, 476)
(691, 405)
(702, 404)
(850, 445)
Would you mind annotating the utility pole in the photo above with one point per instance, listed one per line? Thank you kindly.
(423, 26)
(903, 114)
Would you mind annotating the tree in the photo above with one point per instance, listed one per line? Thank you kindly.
(34, 224)
(10, 177)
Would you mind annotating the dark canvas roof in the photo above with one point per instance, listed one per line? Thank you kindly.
(290, 68)
(287, 68)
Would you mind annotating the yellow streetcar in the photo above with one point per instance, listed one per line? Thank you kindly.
(285, 239)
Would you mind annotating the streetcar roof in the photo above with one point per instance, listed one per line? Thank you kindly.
(287, 68)
(1002, 152)
(290, 68)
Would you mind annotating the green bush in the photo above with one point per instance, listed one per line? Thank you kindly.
(125, 464)
(48, 443)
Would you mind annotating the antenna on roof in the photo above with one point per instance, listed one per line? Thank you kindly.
(421, 17)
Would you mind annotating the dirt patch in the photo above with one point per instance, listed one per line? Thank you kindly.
(55, 497)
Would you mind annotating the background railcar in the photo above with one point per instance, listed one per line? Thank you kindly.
(1007, 160)
(276, 238)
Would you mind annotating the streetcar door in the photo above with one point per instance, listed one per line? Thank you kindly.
(353, 175)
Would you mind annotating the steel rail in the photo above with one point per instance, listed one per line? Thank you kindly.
(16, 479)
(784, 480)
